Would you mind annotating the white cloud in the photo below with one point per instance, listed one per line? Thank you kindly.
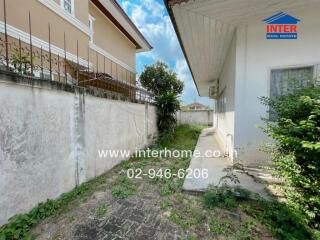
(181, 69)
(183, 73)
(151, 18)
(125, 5)
(163, 38)
(139, 16)
(155, 7)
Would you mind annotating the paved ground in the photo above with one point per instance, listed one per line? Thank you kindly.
(217, 167)
(138, 217)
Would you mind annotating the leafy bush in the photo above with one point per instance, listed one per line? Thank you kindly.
(241, 194)
(21, 61)
(296, 152)
(167, 105)
(225, 197)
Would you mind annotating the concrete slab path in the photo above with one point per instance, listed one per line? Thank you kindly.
(217, 167)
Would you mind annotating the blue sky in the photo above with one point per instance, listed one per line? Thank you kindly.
(152, 19)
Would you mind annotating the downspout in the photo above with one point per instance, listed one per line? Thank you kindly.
(230, 146)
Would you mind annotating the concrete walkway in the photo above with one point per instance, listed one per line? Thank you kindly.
(217, 167)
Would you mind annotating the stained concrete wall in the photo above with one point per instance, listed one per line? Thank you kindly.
(195, 117)
(50, 136)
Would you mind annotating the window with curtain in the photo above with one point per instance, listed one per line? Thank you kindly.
(283, 81)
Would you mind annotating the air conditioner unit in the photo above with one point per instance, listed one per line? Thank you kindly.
(214, 90)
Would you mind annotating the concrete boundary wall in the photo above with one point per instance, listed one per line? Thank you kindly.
(50, 137)
(195, 117)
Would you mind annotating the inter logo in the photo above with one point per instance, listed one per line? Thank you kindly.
(281, 26)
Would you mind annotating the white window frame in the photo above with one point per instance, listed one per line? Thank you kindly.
(72, 7)
(91, 27)
(314, 65)
(222, 103)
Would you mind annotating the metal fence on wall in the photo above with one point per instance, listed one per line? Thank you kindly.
(26, 59)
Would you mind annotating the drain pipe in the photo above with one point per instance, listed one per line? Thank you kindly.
(229, 146)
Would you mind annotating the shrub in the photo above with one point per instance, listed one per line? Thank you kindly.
(167, 105)
(225, 197)
(296, 152)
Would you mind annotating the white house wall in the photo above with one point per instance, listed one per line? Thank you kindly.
(225, 124)
(256, 56)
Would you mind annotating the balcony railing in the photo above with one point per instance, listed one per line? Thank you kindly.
(47, 62)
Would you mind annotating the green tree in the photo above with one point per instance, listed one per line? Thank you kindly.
(163, 82)
(159, 79)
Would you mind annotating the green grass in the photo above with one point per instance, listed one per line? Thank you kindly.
(220, 227)
(71, 218)
(246, 230)
(123, 187)
(165, 205)
(101, 211)
(185, 137)
(191, 237)
(187, 219)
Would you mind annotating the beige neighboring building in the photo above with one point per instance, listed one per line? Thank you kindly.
(88, 39)
(194, 106)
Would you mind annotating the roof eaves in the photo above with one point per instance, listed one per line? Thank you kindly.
(107, 13)
(173, 2)
(125, 15)
(169, 4)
